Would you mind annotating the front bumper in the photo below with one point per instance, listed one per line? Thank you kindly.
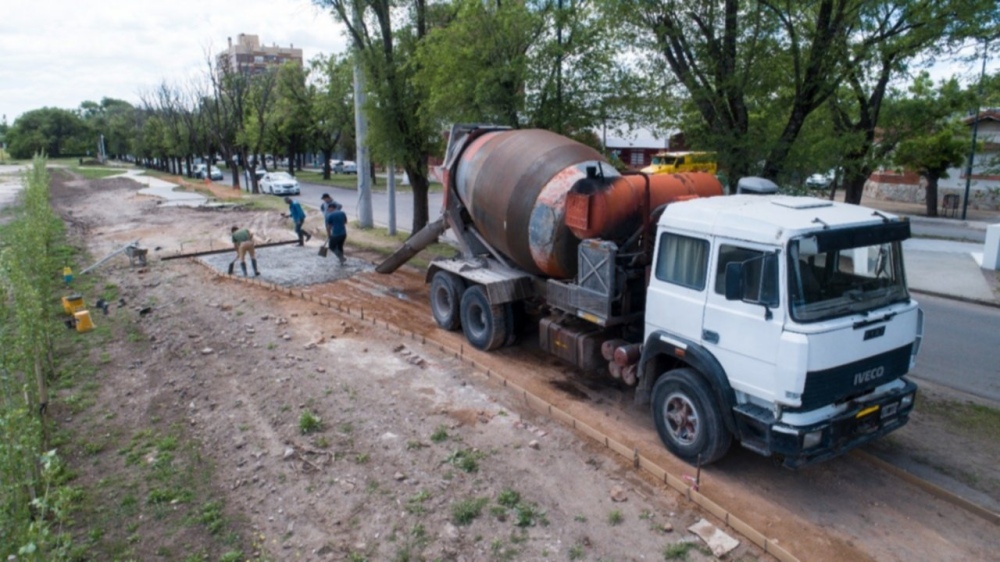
(797, 446)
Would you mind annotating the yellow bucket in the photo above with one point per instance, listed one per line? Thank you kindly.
(72, 303)
(83, 321)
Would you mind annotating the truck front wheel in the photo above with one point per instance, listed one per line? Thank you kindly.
(485, 325)
(688, 419)
(446, 296)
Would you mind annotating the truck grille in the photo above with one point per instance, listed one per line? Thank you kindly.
(845, 381)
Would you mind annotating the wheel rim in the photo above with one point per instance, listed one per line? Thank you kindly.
(682, 418)
(477, 319)
(443, 302)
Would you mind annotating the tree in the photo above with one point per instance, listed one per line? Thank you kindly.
(553, 65)
(49, 130)
(756, 71)
(333, 105)
(475, 66)
(890, 35)
(113, 119)
(293, 110)
(931, 155)
(396, 130)
(223, 108)
(921, 121)
(258, 118)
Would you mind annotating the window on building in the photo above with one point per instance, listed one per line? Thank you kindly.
(637, 159)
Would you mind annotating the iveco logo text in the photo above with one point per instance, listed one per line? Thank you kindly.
(869, 375)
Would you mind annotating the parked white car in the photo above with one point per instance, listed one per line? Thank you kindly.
(279, 183)
(344, 167)
(201, 170)
(819, 181)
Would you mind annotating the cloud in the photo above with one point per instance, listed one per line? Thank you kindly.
(60, 53)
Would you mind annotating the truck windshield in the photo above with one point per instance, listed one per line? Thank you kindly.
(832, 282)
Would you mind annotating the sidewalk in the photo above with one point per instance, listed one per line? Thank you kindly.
(165, 190)
(941, 267)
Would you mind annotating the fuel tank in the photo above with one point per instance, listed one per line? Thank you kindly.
(514, 185)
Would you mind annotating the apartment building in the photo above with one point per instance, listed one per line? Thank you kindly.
(246, 55)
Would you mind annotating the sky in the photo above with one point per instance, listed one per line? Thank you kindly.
(60, 53)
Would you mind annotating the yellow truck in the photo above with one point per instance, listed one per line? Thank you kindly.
(674, 162)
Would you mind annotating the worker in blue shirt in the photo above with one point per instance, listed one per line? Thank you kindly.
(336, 225)
(298, 216)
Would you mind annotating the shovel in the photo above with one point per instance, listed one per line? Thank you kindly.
(322, 251)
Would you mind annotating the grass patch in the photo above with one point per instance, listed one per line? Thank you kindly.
(440, 434)
(615, 517)
(415, 504)
(465, 511)
(91, 173)
(508, 498)
(309, 423)
(977, 420)
(466, 460)
(677, 551)
(350, 181)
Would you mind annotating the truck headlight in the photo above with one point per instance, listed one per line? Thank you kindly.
(811, 439)
(906, 401)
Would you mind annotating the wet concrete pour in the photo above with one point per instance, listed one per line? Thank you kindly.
(292, 266)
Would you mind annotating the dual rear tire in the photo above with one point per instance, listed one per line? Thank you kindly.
(454, 305)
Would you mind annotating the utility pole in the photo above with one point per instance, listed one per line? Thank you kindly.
(559, 64)
(975, 132)
(365, 217)
(391, 183)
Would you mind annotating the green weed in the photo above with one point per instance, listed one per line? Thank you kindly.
(466, 460)
(465, 511)
(677, 551)
(440, 434)
(309, 423)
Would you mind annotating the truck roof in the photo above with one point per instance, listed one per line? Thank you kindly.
(771, 220)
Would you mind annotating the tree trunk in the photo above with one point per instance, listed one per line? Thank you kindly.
(327, 155)
(932, 194)
(421, 186)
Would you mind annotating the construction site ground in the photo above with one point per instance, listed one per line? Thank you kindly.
(225, 418)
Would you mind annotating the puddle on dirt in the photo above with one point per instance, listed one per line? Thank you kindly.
(570, 389)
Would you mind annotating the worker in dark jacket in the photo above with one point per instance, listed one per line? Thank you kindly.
(336, 225)
(298, 216)
(243, 243)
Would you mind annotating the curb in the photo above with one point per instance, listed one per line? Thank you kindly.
(960, 298)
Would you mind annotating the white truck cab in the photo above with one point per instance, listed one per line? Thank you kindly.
(783, 322)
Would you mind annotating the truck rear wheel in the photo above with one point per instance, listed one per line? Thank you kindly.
(485, 325)
(446, 298)
(688, 419)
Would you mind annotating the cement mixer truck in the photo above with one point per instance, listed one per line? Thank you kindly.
(783, 323)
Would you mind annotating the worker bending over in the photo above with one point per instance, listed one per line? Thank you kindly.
(243, 242)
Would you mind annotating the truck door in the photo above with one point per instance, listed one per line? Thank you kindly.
(675, 300)
(744, 336)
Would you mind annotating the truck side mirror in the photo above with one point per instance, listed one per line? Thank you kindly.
(753, 281)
